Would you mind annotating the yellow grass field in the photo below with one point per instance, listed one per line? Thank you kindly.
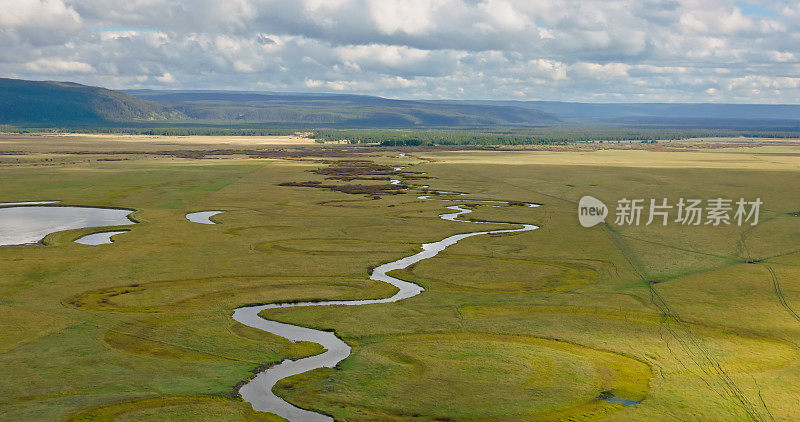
(672, 322)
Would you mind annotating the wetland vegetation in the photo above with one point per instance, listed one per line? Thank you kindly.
(562, 322)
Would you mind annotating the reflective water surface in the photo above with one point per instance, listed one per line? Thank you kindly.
(202, 217)
(101, 238)
(258, 391)
(26, 225)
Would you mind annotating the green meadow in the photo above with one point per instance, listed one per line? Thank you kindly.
(668, 322)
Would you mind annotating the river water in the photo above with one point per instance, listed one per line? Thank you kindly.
(258, 391)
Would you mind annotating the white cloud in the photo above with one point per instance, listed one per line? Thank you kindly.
(688, 50)
(56, 66)
(600, 71)
(36, 14)
(413, 17)
(783, 56)
(166, 78)
(502, 15)
(389, 55)
(549, 69)
(546, 34)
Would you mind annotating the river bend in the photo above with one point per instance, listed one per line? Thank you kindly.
(258, 391)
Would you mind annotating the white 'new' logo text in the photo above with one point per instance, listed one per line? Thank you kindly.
(591, 211)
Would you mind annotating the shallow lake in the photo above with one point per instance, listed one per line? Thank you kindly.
(29, 225)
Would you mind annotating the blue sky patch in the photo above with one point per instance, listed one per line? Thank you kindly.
(754, 9)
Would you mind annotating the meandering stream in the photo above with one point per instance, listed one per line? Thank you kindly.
(258, 391)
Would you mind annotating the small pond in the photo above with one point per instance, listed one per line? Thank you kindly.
(101, 238)
(202, 217)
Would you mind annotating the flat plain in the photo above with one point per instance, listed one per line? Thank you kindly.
(561, 323)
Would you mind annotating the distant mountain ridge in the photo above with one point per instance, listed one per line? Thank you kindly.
(54, 103)
(338, 109)
(669, 114)
(66, 102)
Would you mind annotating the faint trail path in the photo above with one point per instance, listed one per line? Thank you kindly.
(776, 284)
(258, 391)
(711, 371)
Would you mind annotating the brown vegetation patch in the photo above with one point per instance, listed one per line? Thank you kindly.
(354, 168)
(383, 189)
(348, 170)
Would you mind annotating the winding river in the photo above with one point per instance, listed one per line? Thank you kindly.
(258, 391)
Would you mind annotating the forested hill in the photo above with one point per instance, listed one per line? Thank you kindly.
(57, 103)
(65, 102)
(338, 109)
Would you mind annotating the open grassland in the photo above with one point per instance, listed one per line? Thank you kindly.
(691, 322)
(78, 142)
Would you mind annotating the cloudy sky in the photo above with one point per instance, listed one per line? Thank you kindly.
(570, 50)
